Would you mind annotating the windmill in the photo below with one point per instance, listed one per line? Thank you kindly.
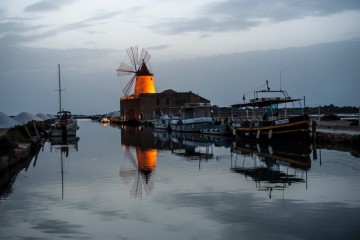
(143, 78)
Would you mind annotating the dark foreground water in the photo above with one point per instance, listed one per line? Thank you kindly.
(130, 184)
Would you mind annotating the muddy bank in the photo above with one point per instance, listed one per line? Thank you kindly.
(21, 142)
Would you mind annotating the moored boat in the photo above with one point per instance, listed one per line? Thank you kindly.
(65, 124)
(216, 129)
(193, 117)
(267, 118)
(162, 121)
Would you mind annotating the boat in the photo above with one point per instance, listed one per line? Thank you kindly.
(65, 124)
(162, 121)
(193, 117)
(216, 129)
(267, 118)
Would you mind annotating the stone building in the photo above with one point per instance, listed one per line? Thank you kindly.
(141, 107)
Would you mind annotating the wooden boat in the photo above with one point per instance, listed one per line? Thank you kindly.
(193, 117)
(267, 118)
(65, 124)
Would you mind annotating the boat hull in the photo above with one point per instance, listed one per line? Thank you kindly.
(64, 129)
(190, 125)
(213, 129)
(288, 129)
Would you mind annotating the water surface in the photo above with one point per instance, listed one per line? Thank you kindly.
(132, 183)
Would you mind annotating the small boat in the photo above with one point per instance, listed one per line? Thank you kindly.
(216, 129)
(193, 117)
(65, 124)
(265, 120)
(162, 121)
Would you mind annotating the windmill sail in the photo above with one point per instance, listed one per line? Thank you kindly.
(143, 78)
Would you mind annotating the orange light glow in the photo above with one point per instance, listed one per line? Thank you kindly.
(146, 158)
(144, 84)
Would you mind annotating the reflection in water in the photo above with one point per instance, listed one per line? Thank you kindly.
(64, 145)
(140, 141)
(272, 167)
(10, 174)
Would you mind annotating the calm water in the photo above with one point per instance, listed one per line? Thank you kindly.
(130, 184)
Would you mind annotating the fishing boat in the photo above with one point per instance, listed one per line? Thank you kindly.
(267, 117)
(65, 124)
(216, 129)
(193, 117)
(162, 121)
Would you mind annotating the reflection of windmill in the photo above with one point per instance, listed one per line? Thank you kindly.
(145, 163)
(144, 81)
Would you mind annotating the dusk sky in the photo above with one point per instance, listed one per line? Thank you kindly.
(219, 49)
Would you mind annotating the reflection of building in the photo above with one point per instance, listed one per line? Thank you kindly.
(141, 107)
(272, 167)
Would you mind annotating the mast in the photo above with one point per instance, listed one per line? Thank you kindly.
(59, 88)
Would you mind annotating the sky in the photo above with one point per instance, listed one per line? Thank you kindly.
(219, 49)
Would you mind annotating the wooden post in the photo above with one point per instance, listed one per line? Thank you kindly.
(313, 130)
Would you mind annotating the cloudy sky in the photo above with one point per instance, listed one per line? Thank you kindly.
(219, 49)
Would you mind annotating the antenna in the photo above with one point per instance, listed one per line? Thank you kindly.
(280, 79)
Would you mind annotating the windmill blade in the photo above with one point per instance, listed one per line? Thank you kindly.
(144, 57)
(128, 86)
(124, 69)
(132, 52)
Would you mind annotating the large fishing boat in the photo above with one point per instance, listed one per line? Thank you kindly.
(193, 117)
(267, 117)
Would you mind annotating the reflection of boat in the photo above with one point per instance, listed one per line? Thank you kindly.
(267, 121)
(272, 167)
(65, 124)
(193, 117)
(218, 140)
(191, 145)
(58, 142)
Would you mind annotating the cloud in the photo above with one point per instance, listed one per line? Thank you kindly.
(46, 5)
(16, 31)
(235, 15)
(159, 47)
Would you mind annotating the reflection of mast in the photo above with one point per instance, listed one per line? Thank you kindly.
(64, 149)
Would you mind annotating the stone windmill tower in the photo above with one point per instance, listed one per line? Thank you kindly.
(143, 78)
